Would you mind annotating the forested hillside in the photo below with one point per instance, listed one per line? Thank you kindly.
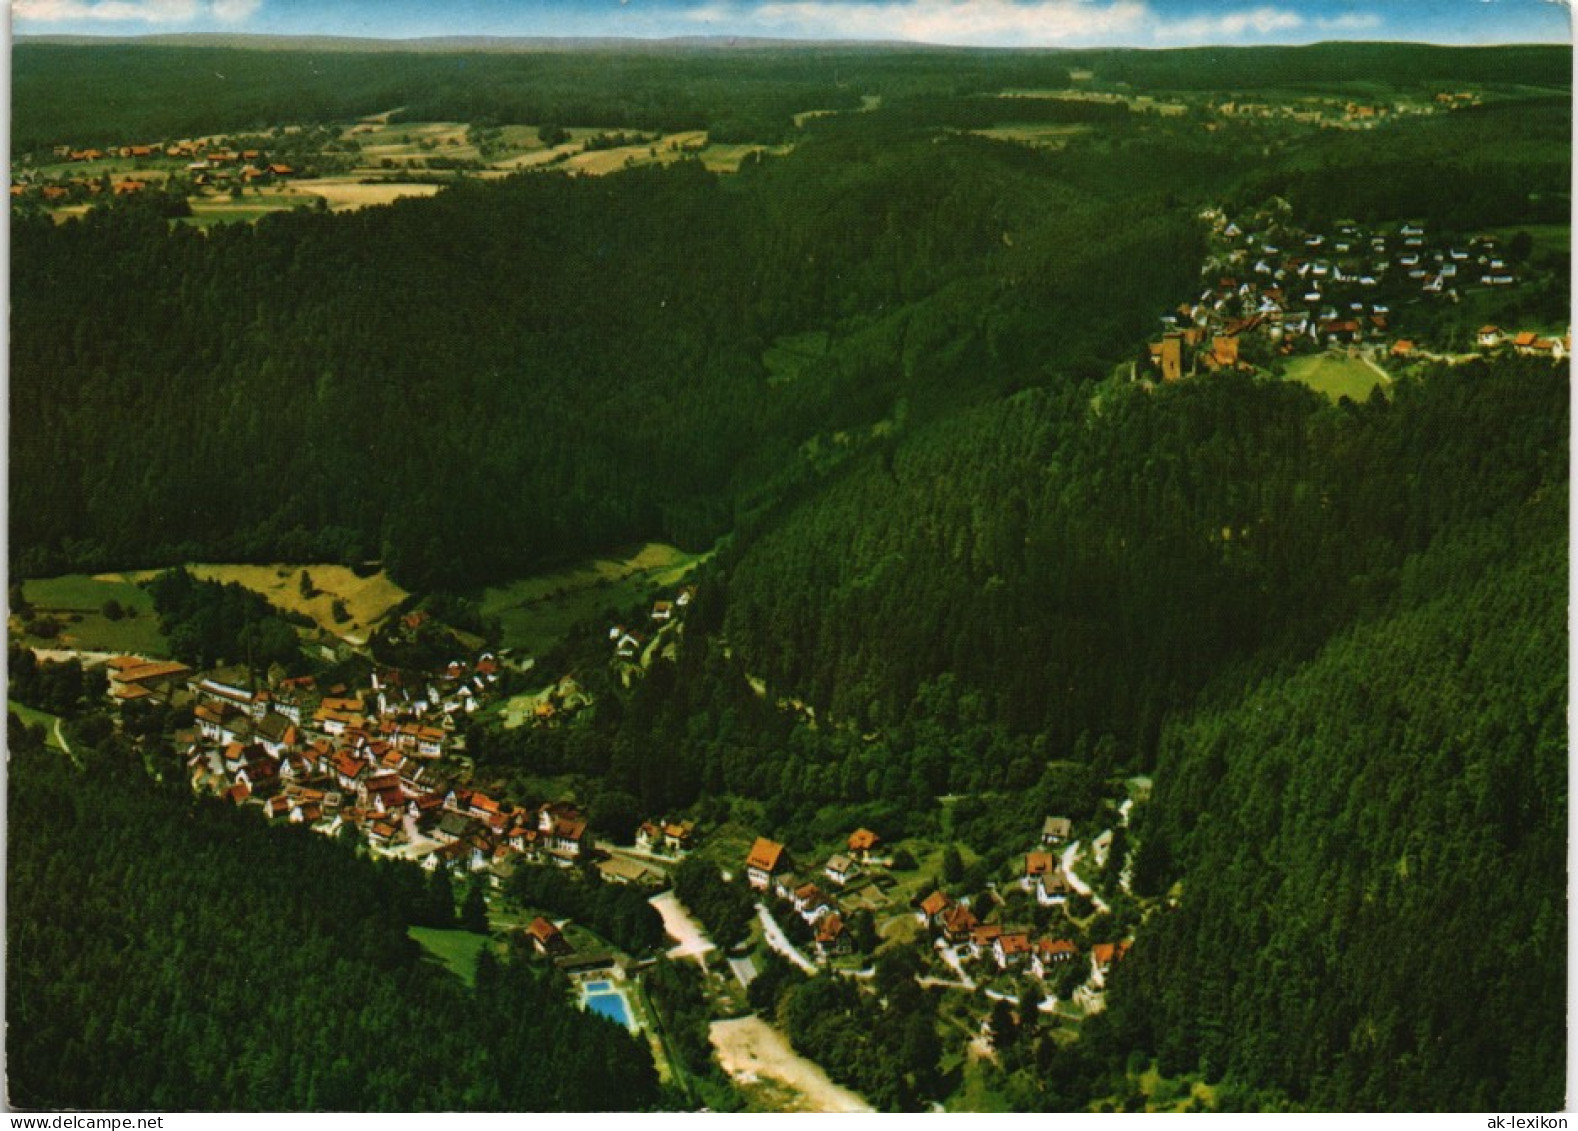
(517, 373)
(971, 566)
(1370, 853)
(170, 955)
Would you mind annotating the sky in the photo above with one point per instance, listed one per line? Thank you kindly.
(988, 23)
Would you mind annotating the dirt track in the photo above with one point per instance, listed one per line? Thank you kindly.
(749, 1049)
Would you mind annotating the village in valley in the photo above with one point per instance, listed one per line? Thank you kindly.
(382, 763)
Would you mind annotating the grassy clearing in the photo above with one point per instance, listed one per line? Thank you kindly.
(1548, 238)
(207, 211)
(1336, 375)
(456, 950)
(729, 158)
(538, 612)
(1036, 135)
(33, 717)
(77, 601)
(367, 599)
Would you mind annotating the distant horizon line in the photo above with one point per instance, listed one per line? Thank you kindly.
(716, 39)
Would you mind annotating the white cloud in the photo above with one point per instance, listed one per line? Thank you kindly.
(1011, 23)
(1228, 26)
(958, 22)
(1351, 22)
(134, 11)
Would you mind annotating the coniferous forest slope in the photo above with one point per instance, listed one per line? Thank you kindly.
(973, 566)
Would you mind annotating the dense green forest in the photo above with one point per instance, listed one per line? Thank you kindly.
(960, 553)
(276, 975)
(1371, 852)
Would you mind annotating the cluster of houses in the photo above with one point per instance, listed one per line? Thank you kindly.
(769, 869)
(818, 898)
(1335, 113)
(1524, 343)
(957, 928)
(630, 643)
(370, 758)
(214, 167)
(1291, 288)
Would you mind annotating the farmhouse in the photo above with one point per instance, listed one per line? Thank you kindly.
(765, 860)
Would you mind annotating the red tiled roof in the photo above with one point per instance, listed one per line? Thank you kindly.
(863, 840)
(765, 854)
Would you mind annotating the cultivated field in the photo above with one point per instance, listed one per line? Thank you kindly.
(1337, 375)
(76, 602)
(348, 193)
(537, 612)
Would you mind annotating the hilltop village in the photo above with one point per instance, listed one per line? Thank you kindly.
(1273, 289)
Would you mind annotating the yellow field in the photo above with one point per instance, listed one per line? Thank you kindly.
(367, 599)
(346, 194)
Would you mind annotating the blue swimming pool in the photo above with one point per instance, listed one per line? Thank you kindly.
(599, 987)
(611, 1006)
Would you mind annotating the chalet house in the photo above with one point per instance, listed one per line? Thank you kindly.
(679, 837)
(958, 924)
(1011, 950)
(832, 937)
(549, 815)
(862, 842)
(1052, 888)
(453, 828)
(663, 611)
(811, 902)
(1056, 830)
(1049, 954)
(1489, 337)
(1037, 864)
(306, 812)
(384, 832)
(276, 807)
(649, 837)
(1103, 955)
(674, 838)
(765, 860)
(982, 938)
(260, 775)
(277, 734)
(222, 723)
(628, 646)
(933, 908)
(548, 939)
(840, 869)
(349, 770)
(484, 806)
(568, 839)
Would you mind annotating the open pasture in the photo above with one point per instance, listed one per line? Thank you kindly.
(537, 612)
(77, 602)
(1336, 375)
